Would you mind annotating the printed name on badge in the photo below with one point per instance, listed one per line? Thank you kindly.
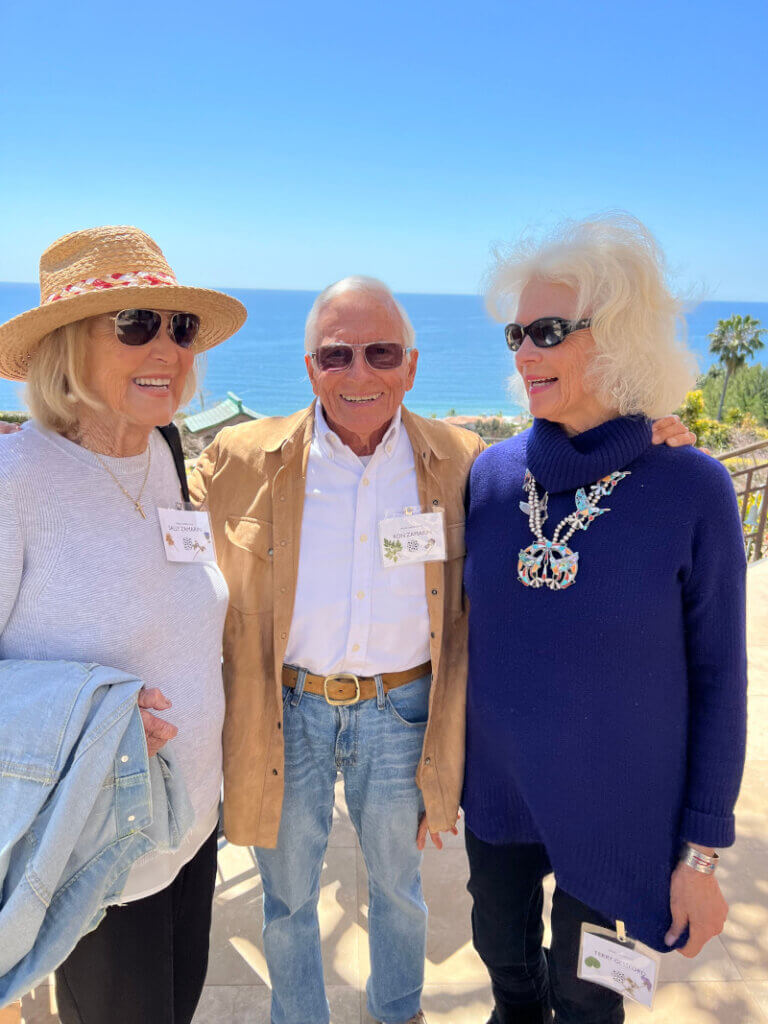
(412, 537)
(186, 535)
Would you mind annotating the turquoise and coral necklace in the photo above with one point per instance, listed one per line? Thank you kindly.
(551, 563)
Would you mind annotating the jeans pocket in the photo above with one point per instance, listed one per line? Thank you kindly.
(409, 704)
(287, 691)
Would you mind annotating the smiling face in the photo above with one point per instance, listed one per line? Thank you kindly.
(554, 378)
(359, 403)
(140, 386)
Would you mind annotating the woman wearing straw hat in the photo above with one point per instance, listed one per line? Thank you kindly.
(108, 356)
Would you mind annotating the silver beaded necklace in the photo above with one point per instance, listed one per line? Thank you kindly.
(551, 563)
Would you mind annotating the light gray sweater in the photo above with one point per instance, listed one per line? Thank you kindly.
(84, 577)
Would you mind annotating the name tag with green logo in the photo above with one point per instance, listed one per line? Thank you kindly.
(612, 960)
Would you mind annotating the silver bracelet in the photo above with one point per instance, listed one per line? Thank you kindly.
(697, 860)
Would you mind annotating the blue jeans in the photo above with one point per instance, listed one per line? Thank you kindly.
(376, 745)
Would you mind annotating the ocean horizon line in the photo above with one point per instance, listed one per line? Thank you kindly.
(689, 305)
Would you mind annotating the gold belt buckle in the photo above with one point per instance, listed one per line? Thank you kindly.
(341, 677)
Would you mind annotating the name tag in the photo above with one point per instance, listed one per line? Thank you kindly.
(412, 537)
(186, 535)
(618, 964)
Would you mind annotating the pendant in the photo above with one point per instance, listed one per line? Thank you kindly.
(140, 510)
(544, 564)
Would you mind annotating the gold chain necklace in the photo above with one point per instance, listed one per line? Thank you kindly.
(136, 502)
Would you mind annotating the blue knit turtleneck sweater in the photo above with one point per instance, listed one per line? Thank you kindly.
(607, 720)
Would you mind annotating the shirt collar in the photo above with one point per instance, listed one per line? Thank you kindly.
(331, 445)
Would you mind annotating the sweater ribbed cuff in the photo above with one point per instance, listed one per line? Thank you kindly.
(707, 829)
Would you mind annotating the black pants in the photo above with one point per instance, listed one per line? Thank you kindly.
(146, 961)
(506, 887)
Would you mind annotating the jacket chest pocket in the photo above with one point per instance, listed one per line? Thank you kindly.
(247, 563)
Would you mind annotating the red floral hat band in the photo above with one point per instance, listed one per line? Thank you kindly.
(96, 284)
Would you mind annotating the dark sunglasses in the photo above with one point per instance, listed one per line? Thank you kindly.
(140, 326)
(546, 332)
(379, 355)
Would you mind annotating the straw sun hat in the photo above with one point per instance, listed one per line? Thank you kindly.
(102, 270)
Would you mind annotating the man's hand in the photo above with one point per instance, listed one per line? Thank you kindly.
(421, 835)
(672, 431)
(9, 428)
(156, 730)
(695, 900)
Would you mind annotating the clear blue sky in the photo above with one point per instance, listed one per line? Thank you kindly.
(284, 145)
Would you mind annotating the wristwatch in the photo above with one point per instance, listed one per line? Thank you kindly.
(697, 860)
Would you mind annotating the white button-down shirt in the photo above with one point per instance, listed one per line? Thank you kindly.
(351, 614)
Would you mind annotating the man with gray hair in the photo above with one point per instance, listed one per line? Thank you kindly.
(340, 530)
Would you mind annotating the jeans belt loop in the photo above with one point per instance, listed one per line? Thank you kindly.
(298, 690)
(348, 677)
(380, 694)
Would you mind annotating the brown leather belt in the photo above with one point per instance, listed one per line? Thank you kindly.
(344, 688)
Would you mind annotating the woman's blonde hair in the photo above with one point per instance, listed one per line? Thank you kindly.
(616, 269)
(56, 388)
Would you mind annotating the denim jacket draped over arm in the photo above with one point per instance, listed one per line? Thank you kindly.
(80, 802)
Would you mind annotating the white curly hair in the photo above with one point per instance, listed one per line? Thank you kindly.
(617, 270)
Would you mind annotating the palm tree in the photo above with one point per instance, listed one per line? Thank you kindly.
(734, 341)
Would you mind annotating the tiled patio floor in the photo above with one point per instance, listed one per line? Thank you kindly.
(726, 984)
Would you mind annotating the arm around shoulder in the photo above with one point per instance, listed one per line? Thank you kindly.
(202, 473)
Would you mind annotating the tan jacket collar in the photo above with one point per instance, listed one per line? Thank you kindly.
(423, 438)
(287, 428)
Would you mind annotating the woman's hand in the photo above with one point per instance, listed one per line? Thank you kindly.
(156, 730)
(695, 900)
(9, 428)
(421, 835)
(672, 431)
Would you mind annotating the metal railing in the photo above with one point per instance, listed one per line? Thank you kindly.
(750, 478)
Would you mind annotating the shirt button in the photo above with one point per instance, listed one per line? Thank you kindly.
(435, 501)
(355, 647)
(363, 537)
(283, 636)
(360, 594)
(131, 817)
(434, 592)
(283, 543)
(282, 497)
(427, 760)
(274, 771)
(366, 481)
(270, 551)
(432, 635)
(124, 758)
(282, 590)
(388, 448)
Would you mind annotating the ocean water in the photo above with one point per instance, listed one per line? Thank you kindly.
(464, 363)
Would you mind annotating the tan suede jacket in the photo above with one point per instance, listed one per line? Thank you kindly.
(251, 479)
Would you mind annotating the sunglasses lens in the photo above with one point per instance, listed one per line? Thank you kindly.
(547, 332)
(514, 334)
(384, 355)
(137, 326)
(184, 329)
(334, 357)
